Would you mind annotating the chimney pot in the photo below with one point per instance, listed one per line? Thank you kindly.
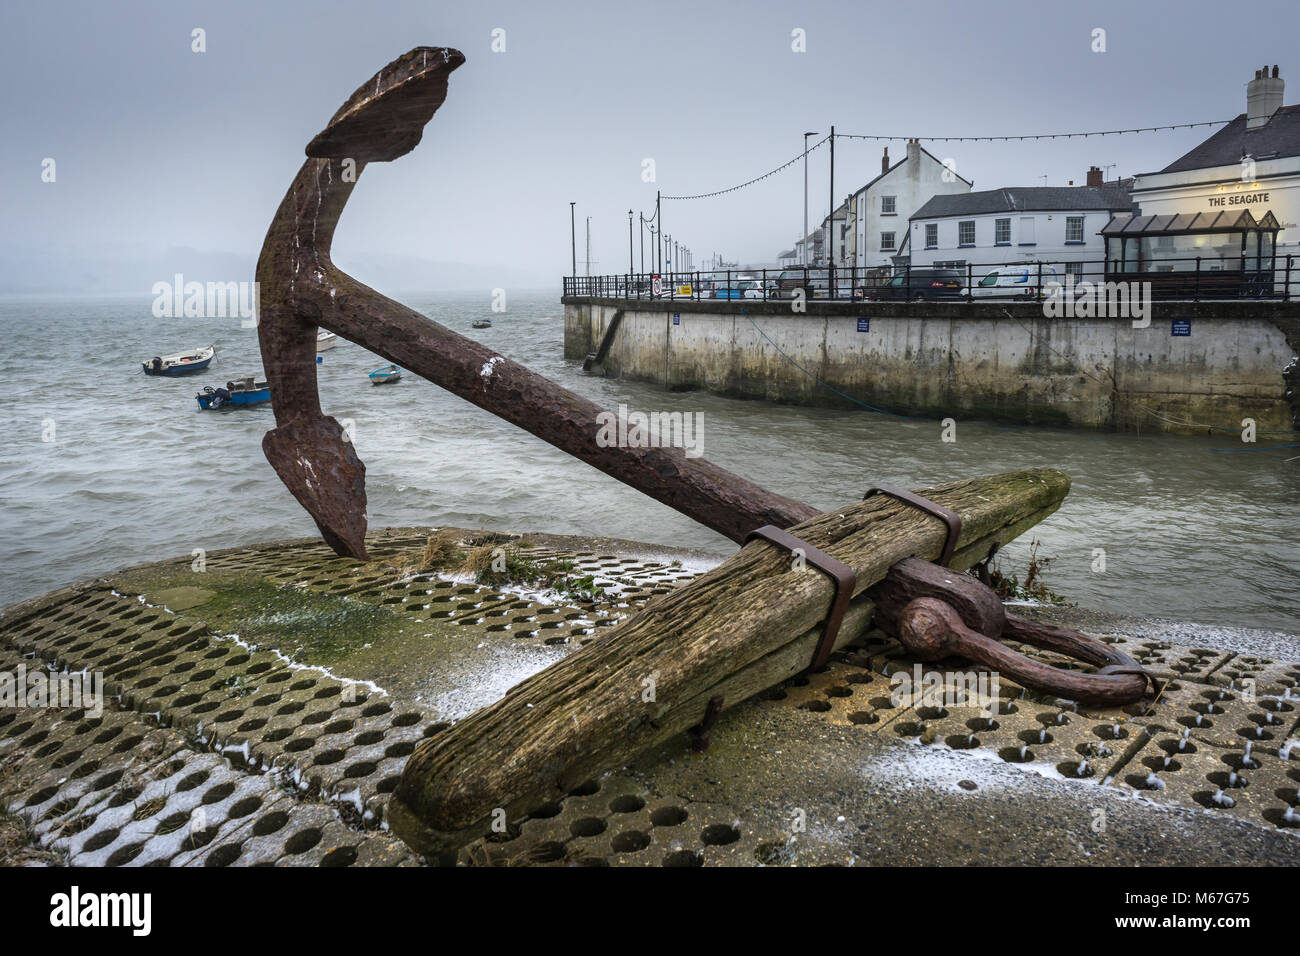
(1263, 97)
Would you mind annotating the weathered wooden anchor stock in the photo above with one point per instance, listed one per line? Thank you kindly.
(778, 606)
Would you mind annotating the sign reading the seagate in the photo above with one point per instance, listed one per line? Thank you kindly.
(1237, 199)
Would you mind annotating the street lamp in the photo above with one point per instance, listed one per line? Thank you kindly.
(573, 240)
(629, 242)
(805, 195)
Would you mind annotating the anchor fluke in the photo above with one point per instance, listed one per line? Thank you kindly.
(320, 467)
(386, 116)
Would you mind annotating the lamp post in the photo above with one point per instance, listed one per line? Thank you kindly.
(805, 195)
(659, 231)
(573, 240)
(629, 242)
(830, 229)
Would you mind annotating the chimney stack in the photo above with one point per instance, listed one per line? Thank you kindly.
(914, 152)
(1263, 97)
(1094, 177)
(884, 161)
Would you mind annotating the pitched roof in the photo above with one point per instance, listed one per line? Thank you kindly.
(841, 213)
(900, 163)
(1028, 199)
(1279, 137)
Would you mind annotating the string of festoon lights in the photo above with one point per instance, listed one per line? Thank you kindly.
(757, 179)
(950, 139)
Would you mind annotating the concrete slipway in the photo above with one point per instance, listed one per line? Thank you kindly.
(260, 712)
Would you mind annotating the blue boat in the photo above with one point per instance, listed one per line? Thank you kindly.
(382, 376)
(182, 363)
(244, 392)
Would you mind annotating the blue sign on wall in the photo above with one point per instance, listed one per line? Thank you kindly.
(864, 324)
(677, 318)
(1181, 327)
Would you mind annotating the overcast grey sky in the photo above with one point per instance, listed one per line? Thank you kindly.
(159, 148)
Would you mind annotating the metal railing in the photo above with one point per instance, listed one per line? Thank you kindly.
(1186, 279)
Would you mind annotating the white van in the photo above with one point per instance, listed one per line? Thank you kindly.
(1020, 279)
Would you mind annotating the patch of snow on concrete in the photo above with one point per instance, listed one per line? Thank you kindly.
(937, 767)
(486, 679)
(294, 665)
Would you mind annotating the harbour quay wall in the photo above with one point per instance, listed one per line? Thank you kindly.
(1198, 365)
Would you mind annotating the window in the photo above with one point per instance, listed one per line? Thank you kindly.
(1074, 229)
(966, 232)
(887, 205)
(931, 235)
(886, 242)
(1074, 269)
(1002, 232)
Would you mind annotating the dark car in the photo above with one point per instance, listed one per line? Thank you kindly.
(920, 284)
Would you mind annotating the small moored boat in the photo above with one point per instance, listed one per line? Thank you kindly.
(246, 391)
(481, 324)
(326, 339)
(182, 363)
(382, 376)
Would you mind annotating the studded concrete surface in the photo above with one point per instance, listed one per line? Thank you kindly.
(261, 704)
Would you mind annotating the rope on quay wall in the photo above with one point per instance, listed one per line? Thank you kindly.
(1147, 408)
(771, 172)
(827, 384)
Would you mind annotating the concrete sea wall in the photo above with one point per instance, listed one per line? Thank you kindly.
(994, 361)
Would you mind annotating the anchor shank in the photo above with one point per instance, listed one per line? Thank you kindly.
(301, 290)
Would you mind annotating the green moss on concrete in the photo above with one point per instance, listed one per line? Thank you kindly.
(307, 625)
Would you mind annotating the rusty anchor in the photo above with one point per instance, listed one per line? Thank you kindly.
(302, 290)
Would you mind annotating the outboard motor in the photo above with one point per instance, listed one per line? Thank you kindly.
(157, 363)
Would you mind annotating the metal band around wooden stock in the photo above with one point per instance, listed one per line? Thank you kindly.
(841, 573)
(946, 515)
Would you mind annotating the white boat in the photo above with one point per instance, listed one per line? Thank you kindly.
(182, 363)
(326, 340)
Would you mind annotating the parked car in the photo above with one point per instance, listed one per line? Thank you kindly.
(740, 287)
(1021, 279)
(814, 282)
(925, 283)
